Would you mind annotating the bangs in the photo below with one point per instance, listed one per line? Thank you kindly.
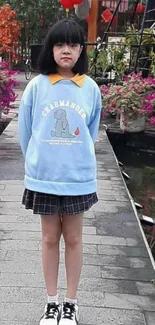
(67, 31)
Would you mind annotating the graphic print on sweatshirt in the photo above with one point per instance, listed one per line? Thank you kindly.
(62, 125)
(62, 131)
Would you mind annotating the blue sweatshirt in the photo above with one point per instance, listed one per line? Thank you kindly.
(58, 124)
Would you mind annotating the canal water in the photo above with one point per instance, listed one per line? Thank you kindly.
(140, 166)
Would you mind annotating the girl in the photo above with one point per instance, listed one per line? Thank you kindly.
(58, 123)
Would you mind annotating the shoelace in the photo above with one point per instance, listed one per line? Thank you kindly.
(68, 310)
(51, 311)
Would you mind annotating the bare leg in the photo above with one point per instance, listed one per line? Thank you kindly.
(72, 232)
(51, 233)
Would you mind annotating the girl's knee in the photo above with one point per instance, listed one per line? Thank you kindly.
(72, 239)
(51, 240)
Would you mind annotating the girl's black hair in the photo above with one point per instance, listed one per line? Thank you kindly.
(64, 31)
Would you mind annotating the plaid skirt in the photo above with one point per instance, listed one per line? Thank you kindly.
(48, 204)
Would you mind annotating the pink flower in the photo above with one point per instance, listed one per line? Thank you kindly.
(7, 83)
(152, 120)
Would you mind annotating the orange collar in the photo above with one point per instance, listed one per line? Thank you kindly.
(77, 79)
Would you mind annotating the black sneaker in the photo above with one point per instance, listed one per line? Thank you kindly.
(69, 314)
(51, 314)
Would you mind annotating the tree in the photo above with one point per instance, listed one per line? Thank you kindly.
(36, 16)
(9, 32)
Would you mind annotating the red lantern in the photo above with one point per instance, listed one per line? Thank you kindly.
(140, 8)
(67, 4)
(76, 2)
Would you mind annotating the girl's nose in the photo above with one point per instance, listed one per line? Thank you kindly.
(66, 49)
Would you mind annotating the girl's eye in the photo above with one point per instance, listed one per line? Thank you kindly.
(74, 45)
(59, 44)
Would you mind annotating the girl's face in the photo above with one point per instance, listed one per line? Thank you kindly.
(66, 55)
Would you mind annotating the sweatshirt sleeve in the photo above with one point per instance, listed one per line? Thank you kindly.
(25, 119)
(95, 119)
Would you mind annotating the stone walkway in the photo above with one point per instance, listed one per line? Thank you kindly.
(115, 286)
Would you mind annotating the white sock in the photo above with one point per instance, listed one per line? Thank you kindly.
(71, 301)
(51, 299)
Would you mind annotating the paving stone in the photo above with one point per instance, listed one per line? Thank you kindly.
(89, 230)
(135, 242)
(18, 244)
(20, 226)
(140, 263)
(14, 311)
(20, 235)
(18, 267)
(22, 294)
(123, 251)
(10, 198)
(8, 219)
(12, 190)
(127, 273)
(5, 322)
(117, 260)
(2, 187)
(150, 318)
(12, 182)
(105, 285)
(88, 222)
(22, 280)
(11, 208)
(113, 197)
(146, 289)
(108, 316)
(126, 215)
(2, 254)
(126, 301)
(110, 193)
(106, 240)
(104, 207)
(21, 255)
(30, 218)
(116, 225)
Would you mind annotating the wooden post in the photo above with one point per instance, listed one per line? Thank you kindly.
(92, 25)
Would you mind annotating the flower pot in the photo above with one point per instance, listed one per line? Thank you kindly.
(129, 124)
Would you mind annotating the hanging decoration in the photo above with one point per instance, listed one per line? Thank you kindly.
(82, 10)
(77, 2)
(106, 15)
(67, 4)
(140, 8)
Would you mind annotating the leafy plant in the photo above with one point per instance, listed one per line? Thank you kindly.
(109, 57)
(132, 40)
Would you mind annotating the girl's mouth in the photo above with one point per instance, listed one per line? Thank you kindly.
(66, 59)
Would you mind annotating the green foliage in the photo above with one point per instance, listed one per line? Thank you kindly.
(111, 57)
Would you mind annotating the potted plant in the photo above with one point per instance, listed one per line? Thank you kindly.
(132, 101)
(7, 84)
